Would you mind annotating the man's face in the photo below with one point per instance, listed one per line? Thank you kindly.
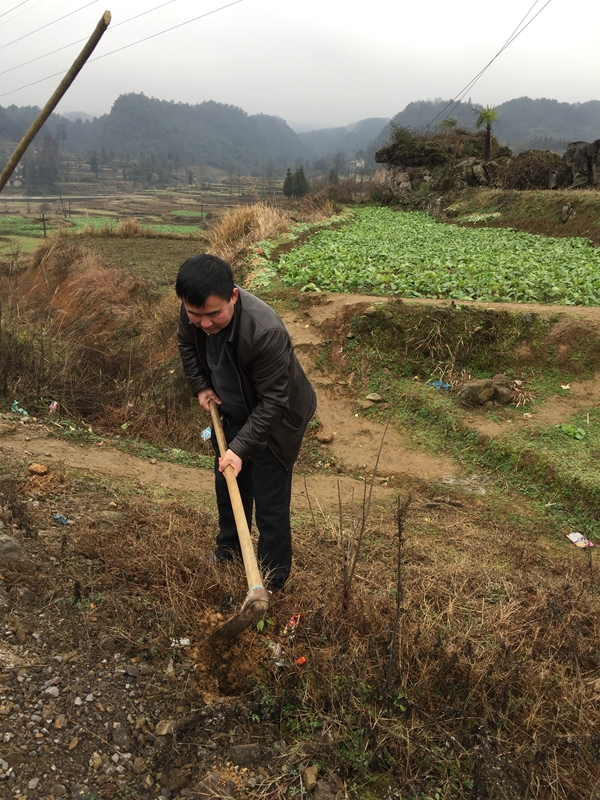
(214, 315)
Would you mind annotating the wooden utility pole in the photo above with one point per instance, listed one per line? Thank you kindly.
(54, 100)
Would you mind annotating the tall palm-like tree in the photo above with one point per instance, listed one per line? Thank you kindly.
(486, 117)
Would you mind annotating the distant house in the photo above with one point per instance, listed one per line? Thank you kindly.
(356, 169)
(16, 179)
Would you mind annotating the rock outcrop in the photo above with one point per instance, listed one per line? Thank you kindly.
(581, 164)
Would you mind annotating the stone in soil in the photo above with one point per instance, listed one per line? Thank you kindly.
(38, 469)
(244, 754)
(10, 549)
(325, 437)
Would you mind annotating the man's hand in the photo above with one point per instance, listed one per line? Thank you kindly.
(230, 459)
(205, 396)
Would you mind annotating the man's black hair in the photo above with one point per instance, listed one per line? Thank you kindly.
(202, 276)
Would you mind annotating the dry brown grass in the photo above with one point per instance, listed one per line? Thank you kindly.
(99, 340)
(315, 207)
(232, 235)
(494, 689)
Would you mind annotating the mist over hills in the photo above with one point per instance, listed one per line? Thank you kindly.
(349, 138)
(176, 135)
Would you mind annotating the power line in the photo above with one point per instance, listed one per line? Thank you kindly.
(132, 44)
(472, 83)
(14, 8)
(71, 44)
(509, 41)
(25, 10)
(37, 58)
(137, 16)
(47, 25)
(167, 30)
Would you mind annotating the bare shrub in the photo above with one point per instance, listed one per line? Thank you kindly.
(532, 169)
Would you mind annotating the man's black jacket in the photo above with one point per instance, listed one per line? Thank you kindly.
(278, 395)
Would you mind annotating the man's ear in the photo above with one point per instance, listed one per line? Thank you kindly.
(235, 294)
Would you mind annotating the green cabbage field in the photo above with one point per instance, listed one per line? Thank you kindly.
(382, 251)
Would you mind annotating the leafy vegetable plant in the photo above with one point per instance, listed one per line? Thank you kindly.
(381, 251)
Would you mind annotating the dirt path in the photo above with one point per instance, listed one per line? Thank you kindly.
(356, 440)
(36, 444)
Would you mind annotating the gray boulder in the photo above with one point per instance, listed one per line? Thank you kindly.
(581, 164)
(10, 549)
(475, 392)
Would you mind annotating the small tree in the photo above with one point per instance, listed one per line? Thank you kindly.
(288, 183)
(94, 163)
(487, 117)
(300, 185)
(48, 161)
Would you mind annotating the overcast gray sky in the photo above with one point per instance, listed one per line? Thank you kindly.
(316, 63)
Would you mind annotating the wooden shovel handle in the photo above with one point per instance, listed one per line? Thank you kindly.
(252, 572)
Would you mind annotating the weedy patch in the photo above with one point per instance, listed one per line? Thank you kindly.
(402, 351)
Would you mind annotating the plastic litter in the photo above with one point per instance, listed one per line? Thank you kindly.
(579, 539)
(290, 628)
(183, 642)
(62, 519)
(15, 407)
(206, 434)
(301, 661)
(440, 385)
(53, 408)
(278, 654)
(292, 624)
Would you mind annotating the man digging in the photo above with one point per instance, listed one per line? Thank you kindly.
(236, 351)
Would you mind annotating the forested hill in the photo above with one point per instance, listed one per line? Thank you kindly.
(522, 123)
(226, 137)
(210, 133)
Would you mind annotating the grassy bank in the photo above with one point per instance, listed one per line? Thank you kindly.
(560, 213)
(399, 350)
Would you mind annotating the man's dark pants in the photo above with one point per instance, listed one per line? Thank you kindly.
(264, 481)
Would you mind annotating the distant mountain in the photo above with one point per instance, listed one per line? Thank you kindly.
(171, 134)
(547, 124)
(350, 139)
(163, 135)
(522, 123)
(216, 134)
